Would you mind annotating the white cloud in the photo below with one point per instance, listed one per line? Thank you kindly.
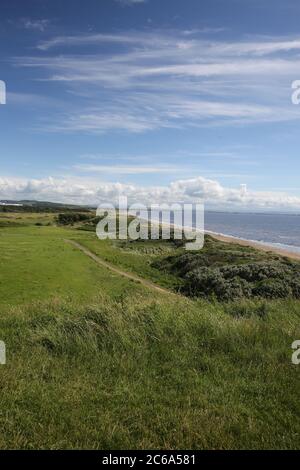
(157, 79)
(127, 169)
(130, 2)
(138, 114)
(184, 40)
(204, 30)
(38, 25)
(31, 99)
(93, 192)
(103, 120)
(88, 39)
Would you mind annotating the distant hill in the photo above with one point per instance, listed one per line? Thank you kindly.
(7, 205)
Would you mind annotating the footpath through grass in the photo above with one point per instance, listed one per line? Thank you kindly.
(36, 264)
(97, 361)
(136, 257)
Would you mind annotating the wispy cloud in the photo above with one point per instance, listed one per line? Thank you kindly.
(130, 2)
(157, 79)
(33, 24)
(109, 119)
(32, 100)
(204, 30)
(184, 39)
(166, 115)
(127, 169)
(87, 39)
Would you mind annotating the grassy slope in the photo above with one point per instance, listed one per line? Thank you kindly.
(148, 374)
(37, 264)
(137, 258)
(130, 370)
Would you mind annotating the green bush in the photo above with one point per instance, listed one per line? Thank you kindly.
(273, 289)
(69, 218)
(225, 273)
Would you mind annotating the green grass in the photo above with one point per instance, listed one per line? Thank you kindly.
(149, 374)
(137, 257)
(16, 219)
(95, 361)
(37, 264)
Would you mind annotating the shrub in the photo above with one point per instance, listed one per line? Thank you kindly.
(69, 218)
(273, 289)
(208, 282)
(224, 274)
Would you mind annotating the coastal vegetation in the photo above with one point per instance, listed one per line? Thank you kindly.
(226, 272)
(96, 360)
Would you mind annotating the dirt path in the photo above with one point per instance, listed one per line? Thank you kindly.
(111, 267)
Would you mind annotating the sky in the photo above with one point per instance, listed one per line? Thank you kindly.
(158, 100)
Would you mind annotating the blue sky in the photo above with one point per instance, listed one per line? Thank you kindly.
(166, 99)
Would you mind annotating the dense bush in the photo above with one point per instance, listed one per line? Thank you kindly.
(69, 218)
(273, 288)
(209, 282)
(265, 280)
(41, 207)
(226, 272)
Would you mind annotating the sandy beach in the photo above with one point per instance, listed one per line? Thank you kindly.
(257, 245)
(243, 242)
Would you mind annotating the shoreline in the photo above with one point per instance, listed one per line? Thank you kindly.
(255, 244)
(284, 251)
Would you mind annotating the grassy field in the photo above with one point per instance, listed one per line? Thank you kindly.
(37, 264)
(97, 361)
(136, 257)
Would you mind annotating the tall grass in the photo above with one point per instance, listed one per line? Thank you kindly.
(142, 373)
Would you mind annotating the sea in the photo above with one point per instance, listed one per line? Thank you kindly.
(278, 230)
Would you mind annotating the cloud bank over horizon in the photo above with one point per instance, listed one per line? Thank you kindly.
(90, 192)
(165, 102)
